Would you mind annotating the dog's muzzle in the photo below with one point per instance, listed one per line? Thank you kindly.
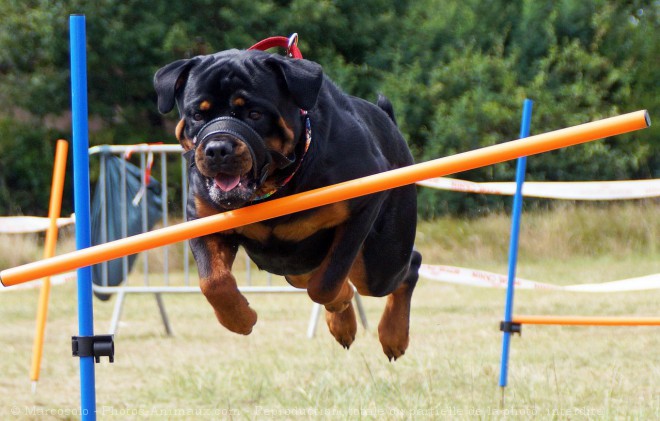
(230, 126)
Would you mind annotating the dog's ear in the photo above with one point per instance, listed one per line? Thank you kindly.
(168, 82)
(303, 79)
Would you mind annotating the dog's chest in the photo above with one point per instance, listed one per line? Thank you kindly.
(295, 246)
(298, 228)
(287, 257)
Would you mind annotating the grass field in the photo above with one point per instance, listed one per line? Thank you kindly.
(451, 368)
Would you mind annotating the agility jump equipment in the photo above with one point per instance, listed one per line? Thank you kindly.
(54, 209)
(513, 242)
(86, 345)
(80, 126)
(326, 195)
(513, 324)
(587, 321)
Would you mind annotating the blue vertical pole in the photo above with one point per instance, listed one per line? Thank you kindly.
(81, 205)
(513, 245)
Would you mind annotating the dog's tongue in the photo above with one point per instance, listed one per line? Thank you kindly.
(226, 182)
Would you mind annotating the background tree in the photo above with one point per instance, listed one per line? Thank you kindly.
(456, 71)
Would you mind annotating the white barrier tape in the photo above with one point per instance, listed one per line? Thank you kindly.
(480, 278)
(579, 190)
(633, 284)
(54, 280)
(29, 224)
(459, 276)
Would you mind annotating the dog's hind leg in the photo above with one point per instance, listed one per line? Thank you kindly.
(329, 284)
(340, 317)
(339, 314)
(393, 329)
(214, 259)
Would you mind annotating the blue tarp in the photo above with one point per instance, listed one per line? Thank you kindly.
(114, 200)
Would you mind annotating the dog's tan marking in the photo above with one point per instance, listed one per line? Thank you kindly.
(284, 141)
(342, 300)
(238, 101)
(205, 105)
(219, 287)
(221, 258)
(275, 143)
(186, 143)
(358, 275)
(258, 232)
(393, 329)
(299, 281)
(241, 150)
(204, 209)
(286, 130)
(325, 217)
(342, 325)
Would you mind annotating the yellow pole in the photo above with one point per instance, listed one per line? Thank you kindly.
(325, 195)
(54, 208)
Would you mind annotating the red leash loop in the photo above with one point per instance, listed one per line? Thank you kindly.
(292, 50)
(290, 44)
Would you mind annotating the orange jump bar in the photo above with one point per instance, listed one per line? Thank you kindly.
(347, 190)
(587, 321)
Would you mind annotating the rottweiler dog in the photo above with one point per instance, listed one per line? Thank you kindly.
(257, 126)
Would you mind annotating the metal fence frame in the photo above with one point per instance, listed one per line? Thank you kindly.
(122, 291)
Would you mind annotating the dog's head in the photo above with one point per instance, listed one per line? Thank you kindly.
(240, 116)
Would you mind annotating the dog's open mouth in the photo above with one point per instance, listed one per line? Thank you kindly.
(231, 191)
(227, 182)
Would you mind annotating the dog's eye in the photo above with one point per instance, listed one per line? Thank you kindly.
(198, 117)
(254, 115)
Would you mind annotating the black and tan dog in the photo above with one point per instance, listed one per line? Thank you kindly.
(248, 140)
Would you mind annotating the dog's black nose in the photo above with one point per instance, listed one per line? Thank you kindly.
(217, 149)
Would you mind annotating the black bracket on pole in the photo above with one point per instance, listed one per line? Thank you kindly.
(511, 327)
(94, 346)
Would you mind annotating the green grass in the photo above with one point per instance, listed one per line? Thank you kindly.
(452, 364)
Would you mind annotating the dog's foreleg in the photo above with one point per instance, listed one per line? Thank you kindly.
(214, 259)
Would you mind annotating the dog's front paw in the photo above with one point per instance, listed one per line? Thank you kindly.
(240, 322)
(232, 309)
